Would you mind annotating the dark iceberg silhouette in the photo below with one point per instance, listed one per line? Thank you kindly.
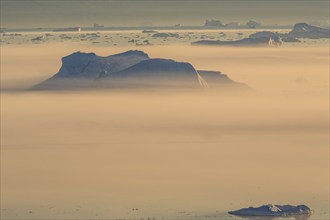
(304, 30)
(131, 69)
(274, 211)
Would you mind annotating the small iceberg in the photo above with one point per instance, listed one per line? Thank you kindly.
(283, 211)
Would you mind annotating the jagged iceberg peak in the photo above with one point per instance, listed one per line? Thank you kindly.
(273, 208)
(78, 54)
(132, 53)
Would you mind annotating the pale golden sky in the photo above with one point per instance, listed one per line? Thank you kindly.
(63, 13)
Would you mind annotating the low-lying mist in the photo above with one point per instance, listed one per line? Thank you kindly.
(102, 153)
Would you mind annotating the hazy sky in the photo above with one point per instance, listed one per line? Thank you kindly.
(62, 13)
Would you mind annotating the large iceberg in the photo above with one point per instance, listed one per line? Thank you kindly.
(131, 69)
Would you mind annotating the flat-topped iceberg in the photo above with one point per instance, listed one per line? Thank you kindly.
(165, 35)
(131, 69)
(274, 211)
(258, 41)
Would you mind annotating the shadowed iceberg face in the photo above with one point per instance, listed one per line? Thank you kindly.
(75, 64)
(130, 69)
(158, 71)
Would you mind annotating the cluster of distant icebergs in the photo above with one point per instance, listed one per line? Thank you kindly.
(151, 37)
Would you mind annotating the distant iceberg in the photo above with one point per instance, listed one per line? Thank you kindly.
(304, 30)
(280, 37)
(163, 35)
(259, 41)
(269, 38)
(299, 30)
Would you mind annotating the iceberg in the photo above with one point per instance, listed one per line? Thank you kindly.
(131, 69)
(258, 41)
(304, 30)
(299, 30)
(269, 38)
(163, 35)
(272, 210)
